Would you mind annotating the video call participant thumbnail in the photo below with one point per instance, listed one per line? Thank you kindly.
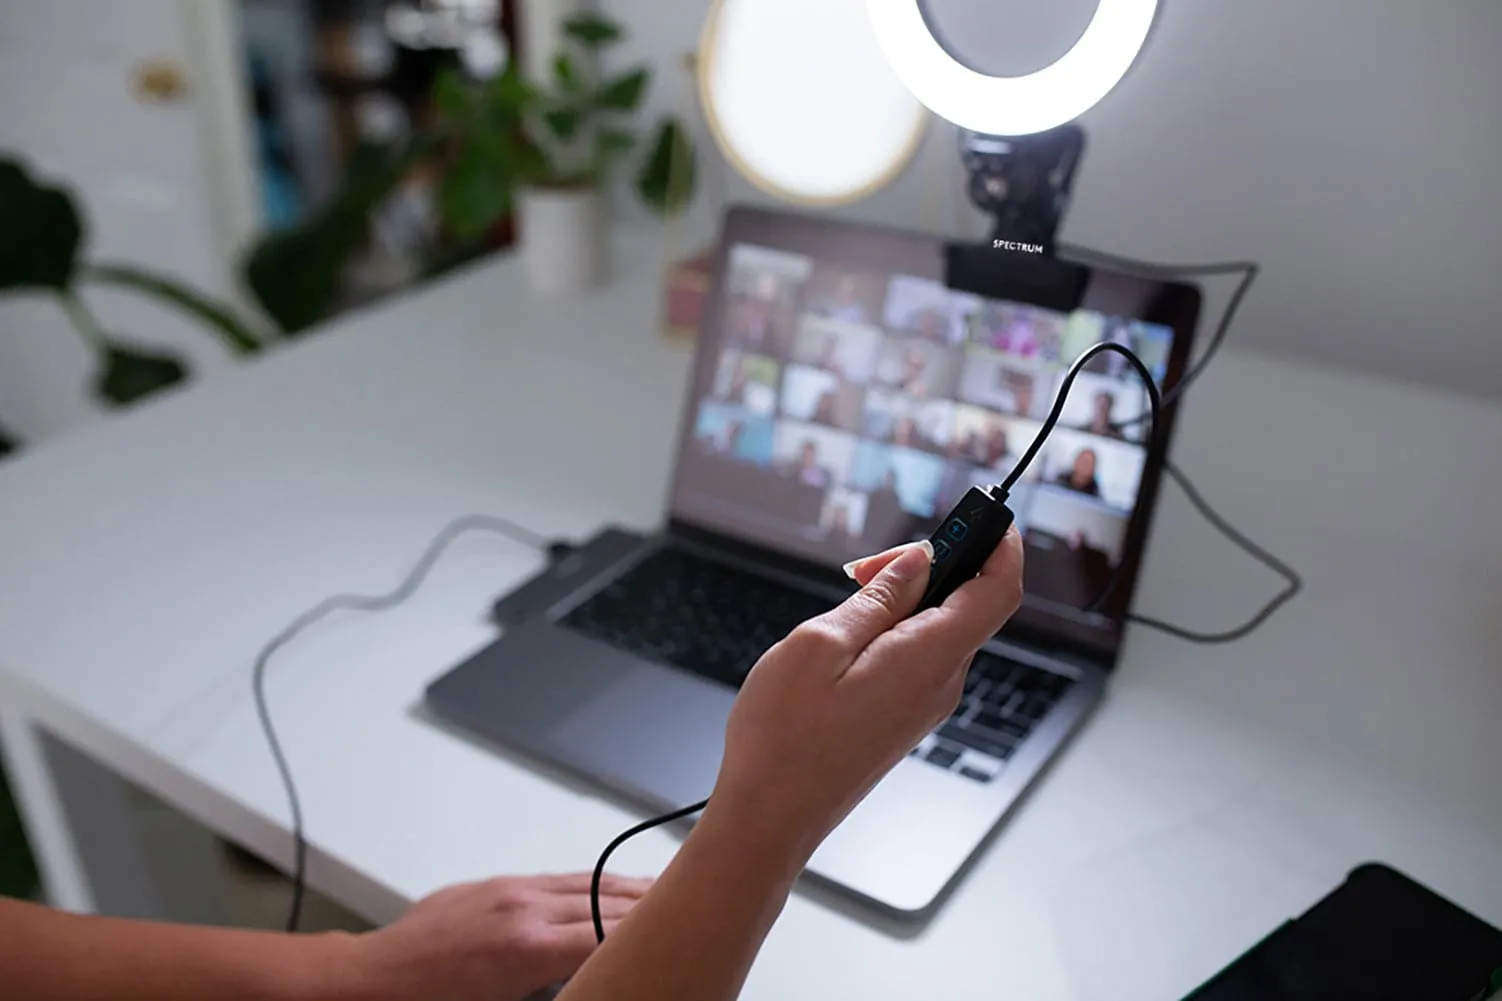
(747, 381)
(896, 419)
(1072, 548)
(1024, 332)
(1002, 383)
(917, 368)
(733, 432)
(839, 295)
(985, 438)
(816, 396)
(1149, 342)
(843, 520)
(1097, 403)
(847, 350)
(927, 310)
(811, 455)
(1095, 467)
(763, 287)
(808, 461)
(913, 478)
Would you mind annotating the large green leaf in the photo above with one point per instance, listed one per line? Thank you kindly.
(452, 95)
(40, 232)
(507, 96)
(592, 29)
(667, 177)
(475, 191)
(297, 274)
(130, 374)
(218, 317)
(623, 93)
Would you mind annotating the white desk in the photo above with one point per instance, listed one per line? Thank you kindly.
(144, 562)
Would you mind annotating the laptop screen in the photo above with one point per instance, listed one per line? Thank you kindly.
(845, 401)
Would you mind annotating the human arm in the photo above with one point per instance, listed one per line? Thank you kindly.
(821, 718)
(498, 940)
(74, 957)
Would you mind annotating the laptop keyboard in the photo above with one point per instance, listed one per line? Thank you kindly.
(716, 621)
(1004, 701)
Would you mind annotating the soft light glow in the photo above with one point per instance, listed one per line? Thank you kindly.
(1012, 106)
(801, 100)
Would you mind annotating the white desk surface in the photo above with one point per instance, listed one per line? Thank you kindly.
(1219, 790)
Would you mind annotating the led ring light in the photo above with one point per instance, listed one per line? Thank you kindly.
(1020, 105)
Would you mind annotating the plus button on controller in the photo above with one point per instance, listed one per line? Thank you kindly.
(965, 540)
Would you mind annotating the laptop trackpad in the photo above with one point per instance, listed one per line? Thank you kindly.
(654, 730)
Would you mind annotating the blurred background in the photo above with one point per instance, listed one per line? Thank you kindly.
(1348, 147)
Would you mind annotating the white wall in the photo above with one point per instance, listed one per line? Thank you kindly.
(1354, 146)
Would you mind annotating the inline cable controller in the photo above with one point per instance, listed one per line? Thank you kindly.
(965, 540)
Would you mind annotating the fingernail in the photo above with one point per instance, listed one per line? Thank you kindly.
(915, 562)
(849, 568)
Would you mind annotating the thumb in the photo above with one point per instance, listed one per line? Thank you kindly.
(887, 598)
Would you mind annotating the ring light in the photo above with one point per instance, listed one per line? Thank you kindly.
(1020, 105)
(801, 100)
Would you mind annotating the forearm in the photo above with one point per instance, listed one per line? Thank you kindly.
(695, 934)
(71, 957)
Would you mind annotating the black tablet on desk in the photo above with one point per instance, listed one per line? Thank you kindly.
(1379, 936)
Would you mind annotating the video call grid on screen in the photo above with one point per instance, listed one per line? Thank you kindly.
(877, 400)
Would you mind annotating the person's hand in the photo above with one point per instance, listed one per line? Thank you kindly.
(827, 712)
(498, 940)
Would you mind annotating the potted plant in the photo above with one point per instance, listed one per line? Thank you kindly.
(548, 149)
(41, 248)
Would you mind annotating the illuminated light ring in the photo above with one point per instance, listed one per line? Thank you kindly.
(1018, 105)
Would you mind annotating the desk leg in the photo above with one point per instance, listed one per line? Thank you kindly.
(101, 845)
(64, 883)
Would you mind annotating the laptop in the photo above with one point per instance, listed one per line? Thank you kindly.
(850, 383)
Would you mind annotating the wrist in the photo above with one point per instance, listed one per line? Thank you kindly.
(327, 966)
(758, 840)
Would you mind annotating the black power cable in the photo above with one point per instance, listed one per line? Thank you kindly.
(360, 603)
(1293, 583)
(1249, 270)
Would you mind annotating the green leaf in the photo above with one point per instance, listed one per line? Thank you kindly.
(667, 177)
(452, 94)
(510, 92)
(563, 122)
(592, 29)
(130, 374)
(475, 191)
(237, 336)
(568, 77)
(615, 142)
(40, 232)
(297, 274)
(624, 92)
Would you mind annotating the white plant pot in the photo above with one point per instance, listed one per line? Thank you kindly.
(564, 244)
